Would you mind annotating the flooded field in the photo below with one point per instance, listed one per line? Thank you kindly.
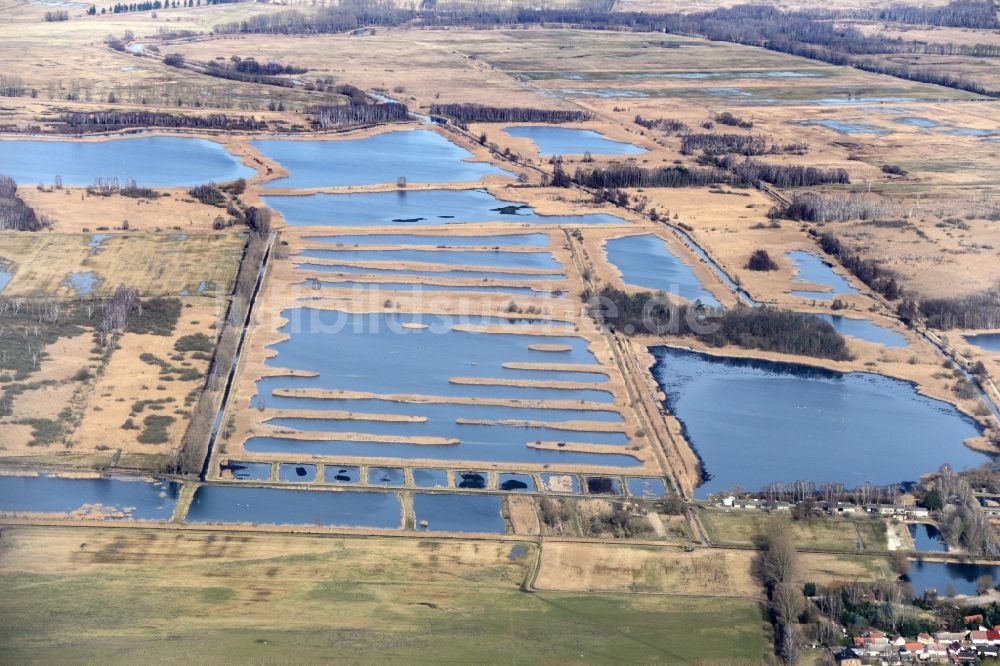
(644, 261)
(157, 161)
(756, 422)
(419, 208)
(567, 141)
(420, 156)
(105, 497)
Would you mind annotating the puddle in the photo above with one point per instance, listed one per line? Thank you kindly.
(111, 497)
(458, 513)
(82, 283)
(420, 156)
(421, 208)
(847, 127)
(285, 506)
(159, 161)
(821, 425)
(96, 241)
(644, 261)
(567, 141)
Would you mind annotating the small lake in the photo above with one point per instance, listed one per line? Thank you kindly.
(941, 575)
(281, 506)
(420, 156)
(987, 341)
(926, 537)
(502, 240)
(864, 329)
(420, 208)
(813, 270)
(155, 161)
(644, 261)
(130, 498)
(755, 422)
(567, 141)
(458, 513)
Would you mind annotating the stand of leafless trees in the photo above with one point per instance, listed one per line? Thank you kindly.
(819, 208)
(325, 117)
(113, 119)
(117, 309)
(481, 113)
(14, 213)
(979, 310)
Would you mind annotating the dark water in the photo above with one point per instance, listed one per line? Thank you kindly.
(420, 208)
(939, 575)
(502, 240)
(297, 473)
(514, 482)
(280, 506)
(603, 485)
(645, 487)
(459, 513)
(155, 161)
(142, 500)
(568, 141)
(645, 261)
(755, 422)
(864, 329)
(988, 341)
(926, 537)
(472, 480)
(430, 478)
(421, 156)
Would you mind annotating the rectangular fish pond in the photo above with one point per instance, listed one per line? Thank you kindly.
(568, 141)
(104, 497)
(420, 156)
(755, 422)
(419, 208)
(280, 506)
(445, 512)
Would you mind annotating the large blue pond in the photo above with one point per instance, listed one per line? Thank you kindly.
(864, 329)
(139, 499)
(812, 269)
(501, 240)
(568, 141)
(942, 575)
(926, 537)
(490, 258)
(458, 513)
(645, 261)
(756, 422)
(400, 272)
(279, 506)
(155, 161)
(419, 208)
(988, 341)
(376, 287)
(421, 156)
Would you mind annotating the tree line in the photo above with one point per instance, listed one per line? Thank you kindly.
(809, 207)
(153, 5)
(15, 214)
(976, 311)
(879, 278)
(763, 328)
(113, 119)
(325, 117)
(668, 125)
(723, 170)
(742, 144)
(978, 14)
(482, 113)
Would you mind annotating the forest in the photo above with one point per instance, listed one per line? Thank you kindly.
(976, 311)
(764, 328)
(113, 119)
(15, 214)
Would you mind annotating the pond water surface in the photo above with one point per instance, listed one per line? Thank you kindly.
(756, 422)
(568, 141)
(645, 261)
(399, 272)
(138, 499)
(282, 506)
(941, 575)
(926, 537)
(420, 208)
(420, 156)
(988, 341)
(501, 240)
(82, 283)
(864, 329)
(812, 269)
(458, 513)
(155, 161)
(489, 258)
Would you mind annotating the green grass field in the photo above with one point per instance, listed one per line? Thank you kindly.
(115, 596)
(749, 528)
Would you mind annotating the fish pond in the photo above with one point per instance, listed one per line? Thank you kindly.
(419, 208)
(280, 506)
(644, 261)
(926, 537)
(944, 576)
(111, 497)
(155, 161)
(755, 422)
(420, 156)
(568, 141)
(445, 512)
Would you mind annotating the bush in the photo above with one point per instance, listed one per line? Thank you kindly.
(155, 431)
(199, 342)
(760, 260)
